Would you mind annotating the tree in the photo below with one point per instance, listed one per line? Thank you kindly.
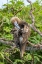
(22, 11)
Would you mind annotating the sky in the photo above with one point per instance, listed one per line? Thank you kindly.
(5, 1)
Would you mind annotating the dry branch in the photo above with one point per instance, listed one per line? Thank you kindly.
(7, 42)
(9, 61)
(28, 48)
(34, 46)
(35, 29)
(33, 19)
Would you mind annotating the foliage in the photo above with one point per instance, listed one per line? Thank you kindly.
(11, 9)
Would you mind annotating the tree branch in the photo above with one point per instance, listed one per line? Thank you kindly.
(35, 29)
(8, 59)
(13, 45)
(33, 47)
(7, 42)
(33, 20)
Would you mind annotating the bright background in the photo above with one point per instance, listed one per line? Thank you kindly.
(5, 1)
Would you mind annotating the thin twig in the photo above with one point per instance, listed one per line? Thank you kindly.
(8, 59)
